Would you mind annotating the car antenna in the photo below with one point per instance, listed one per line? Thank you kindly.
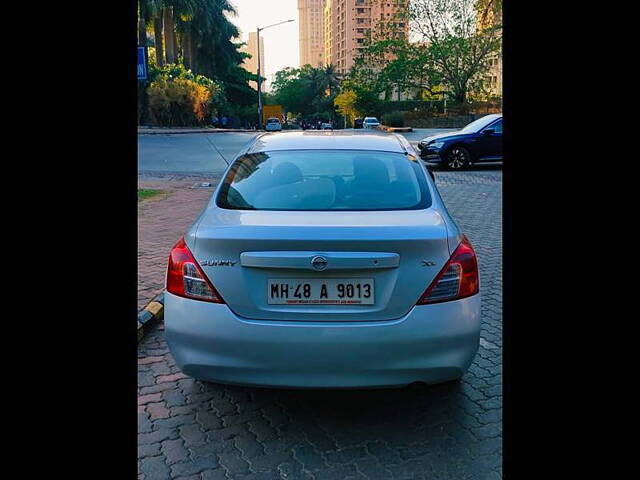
(216, 149)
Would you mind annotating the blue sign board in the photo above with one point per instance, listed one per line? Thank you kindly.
(142, 63)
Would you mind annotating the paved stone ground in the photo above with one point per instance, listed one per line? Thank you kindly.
(161, 222)
(193, 430)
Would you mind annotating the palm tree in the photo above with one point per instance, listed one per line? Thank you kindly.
(199, 30)
(164, 15)
(209, 35)
(158, 35)
(150, 12)
(147, 11)
(330, 78)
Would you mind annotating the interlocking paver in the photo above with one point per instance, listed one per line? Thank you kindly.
(444, 432)
(161, 222)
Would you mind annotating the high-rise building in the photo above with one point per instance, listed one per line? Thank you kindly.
(490, 16)
(311, 31)
(347, 23)
(251, 64)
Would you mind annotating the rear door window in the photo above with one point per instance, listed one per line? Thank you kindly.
(497, 127)
(325, 180)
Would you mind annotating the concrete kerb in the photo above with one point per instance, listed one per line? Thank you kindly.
(395, 129)
(150, 315)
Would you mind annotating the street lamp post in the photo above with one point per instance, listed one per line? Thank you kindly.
(259, 76)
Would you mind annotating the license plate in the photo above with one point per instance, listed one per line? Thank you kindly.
(320, 291)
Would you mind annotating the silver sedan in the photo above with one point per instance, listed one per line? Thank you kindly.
(324, 259)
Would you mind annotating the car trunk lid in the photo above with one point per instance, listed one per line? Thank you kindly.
(244, 252)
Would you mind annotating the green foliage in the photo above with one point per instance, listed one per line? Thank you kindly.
(307, 92)
(207, 53)
(448, 50)
(368, 102)
(176, 97)
(145, 193)
(346, 105)
(175, 71)
(394, 119)
(416, 120)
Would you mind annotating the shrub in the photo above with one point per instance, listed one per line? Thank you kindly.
(393, 119)
(178, 102)
(177, 97)
(415, 120)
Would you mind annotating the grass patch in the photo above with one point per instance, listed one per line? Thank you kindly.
(146, 193)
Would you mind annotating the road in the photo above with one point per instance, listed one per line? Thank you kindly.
(196, 153)
(205, 153)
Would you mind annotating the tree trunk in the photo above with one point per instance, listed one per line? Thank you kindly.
(157, 33)
(176, 45)
(169, 35)
(142, 32)
(460, 95)
(186, 47)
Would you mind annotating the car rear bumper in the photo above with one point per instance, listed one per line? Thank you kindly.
(431, 344)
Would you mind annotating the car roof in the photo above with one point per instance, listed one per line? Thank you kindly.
(327, 140)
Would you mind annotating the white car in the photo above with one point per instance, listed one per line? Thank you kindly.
(370, 122)
(273, 125)
(326, 126)
(324, 260)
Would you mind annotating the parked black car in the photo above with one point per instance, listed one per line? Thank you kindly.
(357, 123)
(480, 141)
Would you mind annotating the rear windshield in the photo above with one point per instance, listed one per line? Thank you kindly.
(325, 180)
(478, 124)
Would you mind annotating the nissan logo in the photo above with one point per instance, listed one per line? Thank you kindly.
(319, 263)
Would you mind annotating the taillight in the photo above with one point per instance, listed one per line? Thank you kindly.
(458, 279)
(185, 278)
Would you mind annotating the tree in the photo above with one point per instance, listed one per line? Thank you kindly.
(149, 14)
(452, 44)
(196, 32)
(292, 91)
(307, 91)
(368, 102)
(346, 104)
(486, 9)
(199, 35)
(448, 50)
(330, 79)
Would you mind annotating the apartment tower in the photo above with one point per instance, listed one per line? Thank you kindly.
(311, 30)
(251, 64)
(347, 24)
(491, 17)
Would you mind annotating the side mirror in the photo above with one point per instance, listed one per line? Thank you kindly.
(488, 131)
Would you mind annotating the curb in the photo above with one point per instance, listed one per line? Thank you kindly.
(160, 131)
(396, 129)
(150, 315)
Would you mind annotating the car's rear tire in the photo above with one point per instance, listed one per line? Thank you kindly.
(457, 158)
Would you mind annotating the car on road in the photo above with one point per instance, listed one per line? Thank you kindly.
(480, 141)
(370, 122)
(324, 259)
(326, 126)
(273, 125)
(357, 123)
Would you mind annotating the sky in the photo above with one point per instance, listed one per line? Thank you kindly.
(281, 42)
